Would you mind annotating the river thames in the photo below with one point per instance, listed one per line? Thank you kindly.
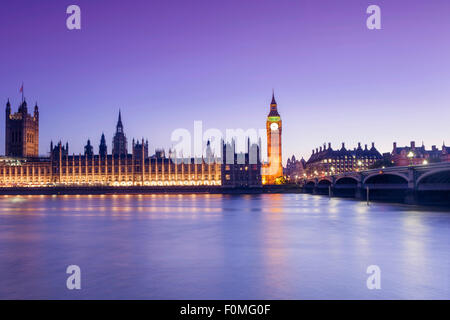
(269, 246)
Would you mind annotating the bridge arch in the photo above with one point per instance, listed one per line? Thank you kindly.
(386, 177)
(434, 187)
(324, 181)
(441, 175)
(347, 180)
(309, 186)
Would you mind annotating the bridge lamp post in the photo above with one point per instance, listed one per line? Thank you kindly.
(410, 155)
(359, 165)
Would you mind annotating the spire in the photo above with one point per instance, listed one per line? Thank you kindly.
(119, 126)
(273, 98)
(273, 107)
(8, 104)
(119, 121)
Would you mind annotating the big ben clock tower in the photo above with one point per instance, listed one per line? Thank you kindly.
(274, 169)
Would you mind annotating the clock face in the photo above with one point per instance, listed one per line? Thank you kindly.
(274, 126)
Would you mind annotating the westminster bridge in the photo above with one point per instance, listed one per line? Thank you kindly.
(421, 184)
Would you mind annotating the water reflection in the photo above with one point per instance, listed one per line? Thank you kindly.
(272, 246)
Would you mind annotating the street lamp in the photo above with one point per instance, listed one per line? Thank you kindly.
(359, 165)
(410, 155)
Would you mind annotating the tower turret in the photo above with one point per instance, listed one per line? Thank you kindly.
(119, 140)
(36, 111)
(8, 108)
(23, 107)
(88, 149)
(103, 149)
(119, 126)
(21, 132)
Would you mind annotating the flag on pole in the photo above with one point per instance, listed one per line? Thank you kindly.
(21, 91)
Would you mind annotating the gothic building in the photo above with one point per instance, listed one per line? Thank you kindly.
(295, 169)
(241, 169)
(123, 169)
(415, 155)
(273, 170)
(120, 146)
(326, 161)
(140, 150)
(21, 131)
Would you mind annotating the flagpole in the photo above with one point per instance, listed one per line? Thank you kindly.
(21, 90)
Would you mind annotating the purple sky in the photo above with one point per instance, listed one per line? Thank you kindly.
(168, 63)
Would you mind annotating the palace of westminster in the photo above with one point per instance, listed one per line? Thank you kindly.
(23, 167)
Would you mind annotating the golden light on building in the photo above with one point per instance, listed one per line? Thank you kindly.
(273, 170)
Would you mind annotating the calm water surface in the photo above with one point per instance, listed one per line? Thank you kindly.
(288, 246)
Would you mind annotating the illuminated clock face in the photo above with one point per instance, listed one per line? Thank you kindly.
(274, 126)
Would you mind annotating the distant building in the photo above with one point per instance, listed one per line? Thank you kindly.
(326, 161)
(295, 169)
(413, 155)
(21, 131)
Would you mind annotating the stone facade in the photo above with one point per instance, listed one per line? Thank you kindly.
(413, 155)
(295, 169)
(123, 169)
(241, 169)
(326, 161)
